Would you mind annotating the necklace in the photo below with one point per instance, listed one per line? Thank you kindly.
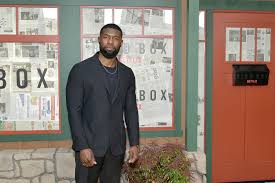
(109, 71)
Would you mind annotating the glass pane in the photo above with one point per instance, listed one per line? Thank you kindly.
(94, 18)
(158, 22)
(263, 44)
(152, 61)
(201, 25)
(30, 97)
(232, 50)
(38, 21)
(7, 20)
(201, 68)
(201, 101)
(7, 52)
(248, 44)
(130, 20)
(27, 52)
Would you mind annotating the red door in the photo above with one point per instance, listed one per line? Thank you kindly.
(243, 147)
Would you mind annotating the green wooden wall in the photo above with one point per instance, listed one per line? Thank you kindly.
(70, 54)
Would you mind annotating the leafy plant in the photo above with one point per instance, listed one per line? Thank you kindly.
(159, 164)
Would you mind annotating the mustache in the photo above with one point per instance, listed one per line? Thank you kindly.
(109, 53)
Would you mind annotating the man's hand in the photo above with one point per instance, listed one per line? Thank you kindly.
(133, 154)
(87, 157)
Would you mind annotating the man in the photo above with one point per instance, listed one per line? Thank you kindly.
(100, 96)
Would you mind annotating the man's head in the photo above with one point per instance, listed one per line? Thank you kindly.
(110, 40)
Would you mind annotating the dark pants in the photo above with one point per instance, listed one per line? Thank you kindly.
(107, 169)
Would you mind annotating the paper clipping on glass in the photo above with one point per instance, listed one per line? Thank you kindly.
(38, 21)
(130, 20)
(158, 22)
(263, 44)
(248, 44)
(233, 44)
(94, 18)
(7, 20)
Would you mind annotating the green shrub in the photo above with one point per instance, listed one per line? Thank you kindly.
(159, 164)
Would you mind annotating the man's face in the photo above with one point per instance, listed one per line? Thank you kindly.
(110, 42)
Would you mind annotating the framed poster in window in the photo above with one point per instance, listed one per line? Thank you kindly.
(29, 73)
(148, 49)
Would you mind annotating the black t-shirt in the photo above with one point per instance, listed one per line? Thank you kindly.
(112, 79)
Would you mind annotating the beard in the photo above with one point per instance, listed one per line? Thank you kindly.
(108, 54)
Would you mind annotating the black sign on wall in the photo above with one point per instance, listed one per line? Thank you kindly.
(250, 74)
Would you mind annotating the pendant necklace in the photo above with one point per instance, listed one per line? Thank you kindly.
(109, 71)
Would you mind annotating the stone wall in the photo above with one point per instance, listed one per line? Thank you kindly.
(48, 165)
(198, 167)
(56, 165)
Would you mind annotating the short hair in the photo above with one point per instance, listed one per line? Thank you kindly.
(112, 26)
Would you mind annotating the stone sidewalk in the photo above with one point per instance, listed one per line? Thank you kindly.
(56, 165)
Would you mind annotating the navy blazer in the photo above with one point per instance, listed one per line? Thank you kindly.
(96, 120)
